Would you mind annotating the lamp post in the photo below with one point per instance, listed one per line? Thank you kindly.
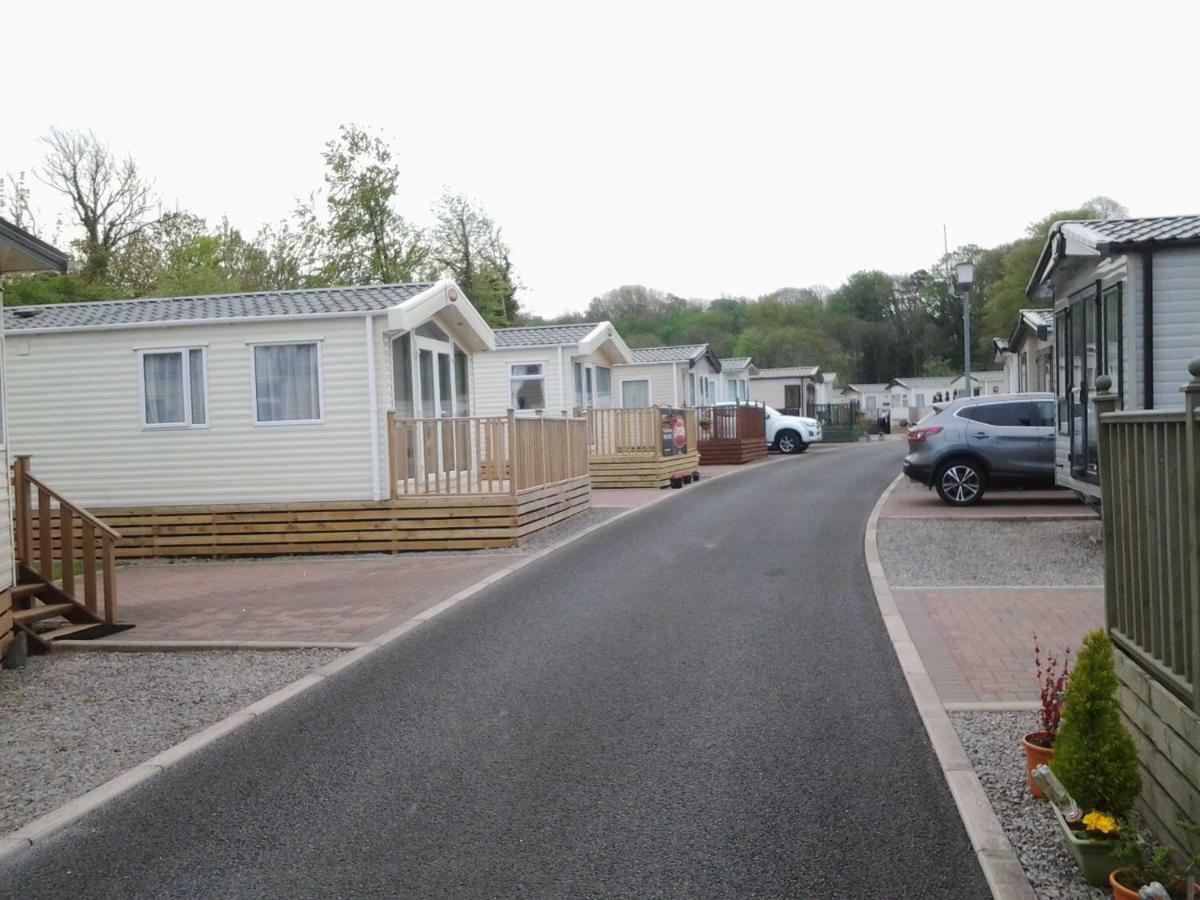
(964, 277)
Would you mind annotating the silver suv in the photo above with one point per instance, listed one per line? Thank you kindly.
(984, 443)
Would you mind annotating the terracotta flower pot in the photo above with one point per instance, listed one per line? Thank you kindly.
(1120, 892)
(1035, 755)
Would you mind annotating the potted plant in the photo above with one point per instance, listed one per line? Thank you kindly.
(1093, 842)
(1052, 683)
(1142, 864)
(1094, 756)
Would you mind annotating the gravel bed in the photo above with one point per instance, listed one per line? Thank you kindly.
(71, 721)
(920, 552)
(993, 744)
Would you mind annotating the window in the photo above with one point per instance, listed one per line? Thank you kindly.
(635, 393)
(527, 385)
(173, 388)
(462, 383)
(1112, 336)
(1003, 414)
(920, 401)
(580, 400)
(287, 383)
(691, 393)
(603, 387)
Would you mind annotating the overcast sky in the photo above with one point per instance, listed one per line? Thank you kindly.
(705, 149)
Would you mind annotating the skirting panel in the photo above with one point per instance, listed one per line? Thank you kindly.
(390, 526)
(614, 472)
(732, 453)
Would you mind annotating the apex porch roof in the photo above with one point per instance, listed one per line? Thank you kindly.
(589, 337)
(688, 353)
(407, 306)
(20, 251)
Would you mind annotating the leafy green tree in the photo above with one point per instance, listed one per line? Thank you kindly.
(468, 247)
(364, 240)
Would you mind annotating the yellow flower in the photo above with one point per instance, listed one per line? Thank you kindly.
(1098, 821)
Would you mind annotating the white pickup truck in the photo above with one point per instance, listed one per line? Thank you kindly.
(789, 434)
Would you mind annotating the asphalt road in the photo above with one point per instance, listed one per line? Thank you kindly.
(700, 701)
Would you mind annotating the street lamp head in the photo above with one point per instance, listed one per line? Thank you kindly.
(964, 275)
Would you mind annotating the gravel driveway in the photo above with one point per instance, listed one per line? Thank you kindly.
(920, 552)
(71, 721)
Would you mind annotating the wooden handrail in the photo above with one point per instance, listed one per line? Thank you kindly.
(39, 529)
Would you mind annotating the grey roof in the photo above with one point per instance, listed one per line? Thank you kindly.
(681, 353)
(543, 335)
(737, 362)
(168, 310)
(866, 388)
(20, 251)
(789, 372)
(1112, 236)
(924, 381)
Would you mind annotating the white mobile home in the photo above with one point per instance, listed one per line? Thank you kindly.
(736, 373)
(913, 398)
(1126, 300)
(19, 252)
(550, 367)
(287, 403)
(686, 375)
(792, 388)
(873, 399)
(990, 381)
(1027, 355)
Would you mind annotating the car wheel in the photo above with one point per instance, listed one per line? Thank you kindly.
(789, 442)
(960, 482)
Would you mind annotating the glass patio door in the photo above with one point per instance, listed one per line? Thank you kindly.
(435, 390)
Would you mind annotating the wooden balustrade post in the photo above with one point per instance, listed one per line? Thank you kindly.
(393, 455)
(1191, 421)
(110, 580)
(512, 452)
(66, 529)
(89, 564)
(45, 536)
(24, 510)
(1106, 402)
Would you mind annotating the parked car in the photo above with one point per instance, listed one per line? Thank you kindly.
(978, 444)
(791, 434)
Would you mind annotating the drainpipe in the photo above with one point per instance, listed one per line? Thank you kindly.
(1148, 329)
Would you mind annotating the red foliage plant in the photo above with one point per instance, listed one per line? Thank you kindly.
(1052, 682)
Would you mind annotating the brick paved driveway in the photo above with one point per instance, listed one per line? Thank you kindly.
(330, 599)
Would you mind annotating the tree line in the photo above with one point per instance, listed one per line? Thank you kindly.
(874, 327)
(349, 231)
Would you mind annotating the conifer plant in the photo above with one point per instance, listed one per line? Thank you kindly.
(1094, 755)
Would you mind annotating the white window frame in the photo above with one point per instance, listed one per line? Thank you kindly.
(540, 363)
(319, 344)
(184, 353)
(621, 392)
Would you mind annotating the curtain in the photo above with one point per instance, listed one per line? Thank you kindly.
(635, 394)
(163, 374)
(287, 384)
(196, 386)
(603, 387)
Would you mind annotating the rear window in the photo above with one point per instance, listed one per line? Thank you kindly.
(1025, 414)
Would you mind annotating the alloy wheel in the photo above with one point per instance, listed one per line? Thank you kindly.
(961, 483)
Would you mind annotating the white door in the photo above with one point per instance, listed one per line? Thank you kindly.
(435, 391)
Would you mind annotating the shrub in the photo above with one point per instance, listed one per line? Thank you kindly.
(1094, 756)
(1052, 684)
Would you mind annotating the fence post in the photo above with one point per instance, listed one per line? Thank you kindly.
(513, 455)
(1104, 402)
(393, 455)
(1191, 420)
(24, 514)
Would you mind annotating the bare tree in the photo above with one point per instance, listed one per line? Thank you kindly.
(110, 198)
(14, 202)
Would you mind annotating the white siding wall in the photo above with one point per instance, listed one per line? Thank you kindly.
(74, 405)
(1176, 323)
(662, 390)
(493, 396)
(6, 510)
(768, 391)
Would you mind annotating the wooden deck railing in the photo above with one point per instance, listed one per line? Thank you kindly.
(1150, 484)
(731, 423)
(633, 433)
(483, 454)
(54, 537)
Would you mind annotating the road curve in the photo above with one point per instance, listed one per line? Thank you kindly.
(699, 701)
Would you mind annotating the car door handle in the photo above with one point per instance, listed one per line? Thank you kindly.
(980, 434)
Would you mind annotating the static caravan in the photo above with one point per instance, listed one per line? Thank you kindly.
(874, 400)
(558, 368)
(990, 381)
(292, 421)
(829, 390)
(735, 379)
(913, 398)
(687, 375)
(1027, 355)
(1126, 300)
(792, 389)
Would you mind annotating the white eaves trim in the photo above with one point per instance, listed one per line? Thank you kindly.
(444, 297)
(605, 333)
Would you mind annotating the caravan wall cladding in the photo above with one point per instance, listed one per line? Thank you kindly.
(77, 405)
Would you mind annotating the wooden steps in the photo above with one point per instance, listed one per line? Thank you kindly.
(732, 452)
(638, 472)
(45, 611)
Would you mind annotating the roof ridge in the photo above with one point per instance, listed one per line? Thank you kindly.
(284, 291)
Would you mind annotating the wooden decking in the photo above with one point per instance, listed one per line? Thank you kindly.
(466, 483)
(627, 448)
(731, 435)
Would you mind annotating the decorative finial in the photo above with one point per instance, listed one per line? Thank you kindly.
(1194, 367)
(1104, 384)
